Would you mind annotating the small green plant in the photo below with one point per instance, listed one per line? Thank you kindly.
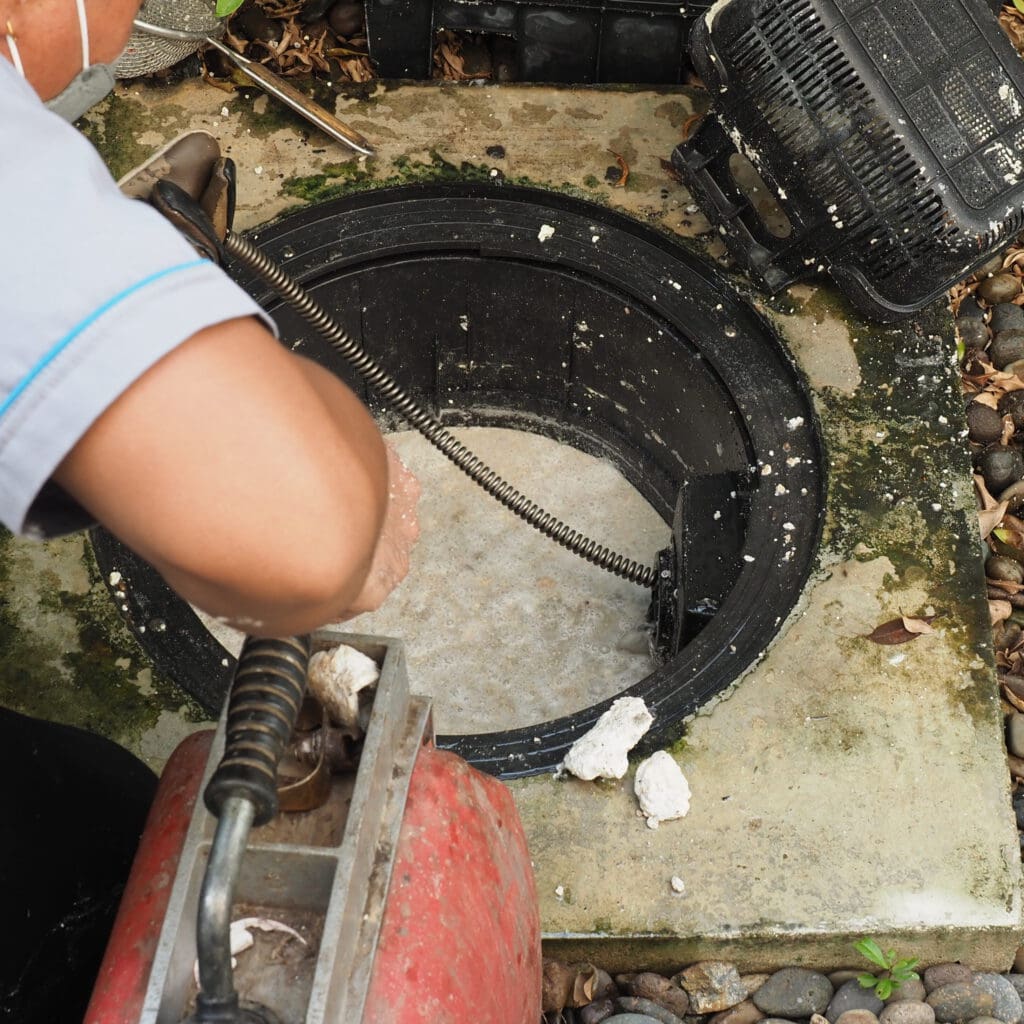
(894, 972)
(226, 7)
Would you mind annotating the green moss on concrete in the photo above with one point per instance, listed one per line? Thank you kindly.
(115, 127)
(98, 682)
(335, 180)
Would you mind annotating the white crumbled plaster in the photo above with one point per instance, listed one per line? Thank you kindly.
(662, 789)
(602, 752)
(337, 676)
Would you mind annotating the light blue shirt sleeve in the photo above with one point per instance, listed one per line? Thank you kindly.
(94, 289)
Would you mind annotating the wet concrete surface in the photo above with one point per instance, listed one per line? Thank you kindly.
(840, 788)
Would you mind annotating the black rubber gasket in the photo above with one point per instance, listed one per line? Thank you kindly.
(517, 307)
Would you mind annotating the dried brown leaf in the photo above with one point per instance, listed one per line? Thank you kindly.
(921, 626)
(999, 611)
(623, 167)
(987, 398)
(1006, 586)
(895, 631)
(990, 518)
(984, 496)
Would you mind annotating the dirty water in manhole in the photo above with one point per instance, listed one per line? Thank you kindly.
(609, 374)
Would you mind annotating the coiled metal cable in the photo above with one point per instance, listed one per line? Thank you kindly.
(255, 260)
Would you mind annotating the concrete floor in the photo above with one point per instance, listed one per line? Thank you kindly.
(840, 788)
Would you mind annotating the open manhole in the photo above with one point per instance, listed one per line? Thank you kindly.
(516, 309)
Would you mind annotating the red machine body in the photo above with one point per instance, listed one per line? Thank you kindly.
(460, 938)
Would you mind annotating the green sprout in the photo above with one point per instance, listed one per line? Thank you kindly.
(894, 972)
(226, 7)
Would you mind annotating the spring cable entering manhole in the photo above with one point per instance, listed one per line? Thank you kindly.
(255, 260)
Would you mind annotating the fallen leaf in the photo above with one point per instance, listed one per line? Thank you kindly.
(920, 626)
(999, 611)
(1006, 586)
(990, 518)
(987, 501)
(567, 985)
(987, 398)
(895, 631)
(690, 125)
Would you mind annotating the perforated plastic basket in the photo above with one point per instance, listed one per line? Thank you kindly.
(891, 134)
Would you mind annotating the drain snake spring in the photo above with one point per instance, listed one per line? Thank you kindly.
(255, 260)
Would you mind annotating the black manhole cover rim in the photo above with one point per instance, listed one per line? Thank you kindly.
(663, 279)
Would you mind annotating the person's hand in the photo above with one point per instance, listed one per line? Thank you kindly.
(398, 535)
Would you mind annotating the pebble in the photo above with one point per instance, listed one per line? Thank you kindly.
(752, 982)
(907, 1011)
(1008, 1006)
(346, 18)
(254, 24)
(993, 265)
(999, 567)
(1015, 745)
(631, 1018)
(794, 992)
(1018, 960)
(596, 1012)
(857, 1017)
(984, 424)
(1007, 347)
(912, 988)
(712, 986)
(1012, 405)
(1018, 813)
(742, 1013)
(1000, 466)
(659, 990)
(851, 995)
(945, 974)
(960, 1001)
(1005, 315)
(646, 1008)
(999, 288)
(1017, 980)
(972, 331)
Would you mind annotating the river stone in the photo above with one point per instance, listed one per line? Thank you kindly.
(1018, 960)
(907, 1011)
(631, 1018)
(857, 1017)
(752, 982)
(596, 1012)
(794, 992)
(969, 308)
(1008, 1006)
(851, 995)
(742, 1013)
(1005, 316)
(661, 991)
(712, 986)
(960, 1001)
(972, 332)
(999, 288)
(646, 1008)
(1015, 745)
(913, 988)
(840, 978)
(1017, 980)
(945, 974)
(1007, 347)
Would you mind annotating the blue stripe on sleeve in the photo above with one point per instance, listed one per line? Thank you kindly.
(75, 331)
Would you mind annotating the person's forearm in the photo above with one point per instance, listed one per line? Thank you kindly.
(254, 481)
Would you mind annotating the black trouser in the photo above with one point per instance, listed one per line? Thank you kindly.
(72, 808)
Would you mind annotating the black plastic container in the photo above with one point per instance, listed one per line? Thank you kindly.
(636, 41)
(891, 134)
(597, 332)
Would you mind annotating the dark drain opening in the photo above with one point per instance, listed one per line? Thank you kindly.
(519, 308)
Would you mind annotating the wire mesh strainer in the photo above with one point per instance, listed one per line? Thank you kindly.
(147, 53)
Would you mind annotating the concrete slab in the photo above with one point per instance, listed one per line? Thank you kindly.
(841, 788)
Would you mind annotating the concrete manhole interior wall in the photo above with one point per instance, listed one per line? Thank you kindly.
(511, 307)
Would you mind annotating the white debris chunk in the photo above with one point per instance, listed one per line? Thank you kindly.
(601, 753)
(662, 789)
(240, 937)
(546, 231)
(115, 578)
(336, 678)
(678, 885)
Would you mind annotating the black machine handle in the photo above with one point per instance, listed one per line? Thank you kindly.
(266, 695)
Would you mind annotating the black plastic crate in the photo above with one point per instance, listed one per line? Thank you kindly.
(891, 135)
(634, 41)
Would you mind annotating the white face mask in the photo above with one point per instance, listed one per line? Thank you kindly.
(87, 88)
